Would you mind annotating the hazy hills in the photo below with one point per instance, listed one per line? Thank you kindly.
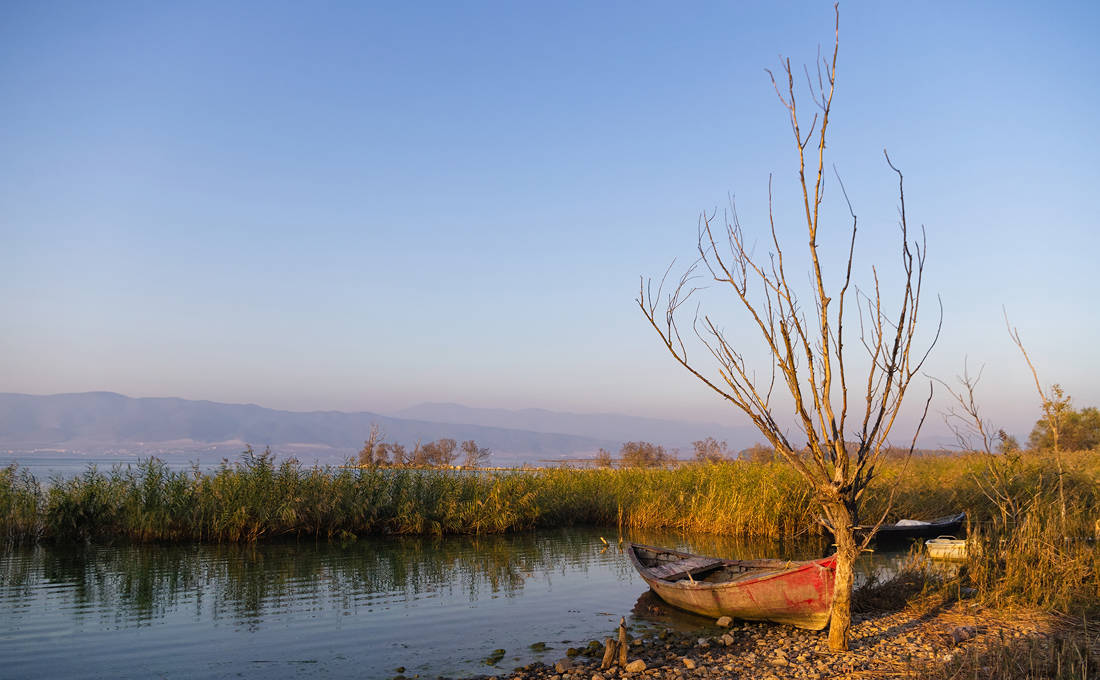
(95, 422)
(606, 426)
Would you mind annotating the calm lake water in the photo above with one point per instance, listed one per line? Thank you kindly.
(433, 606)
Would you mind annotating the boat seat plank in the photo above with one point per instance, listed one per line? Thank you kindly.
(689, 565)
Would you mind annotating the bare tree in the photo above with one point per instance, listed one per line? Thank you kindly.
(474, 456)
(642, 454)
(373, 451)
(417, 457)
(440, 453)
(603, 458)
(1002, 461)
(382, 454)
(447, 452)
(397, 455)
(1055, 407)
(757, 453)
(807, 352)
(710, 450)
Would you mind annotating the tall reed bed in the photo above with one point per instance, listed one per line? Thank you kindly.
(1038, 563)
(1043, 559)
(258, 498)
(1025, 548)
(1026, 553)
(21, 505)
(995, 492)
(1042, 564)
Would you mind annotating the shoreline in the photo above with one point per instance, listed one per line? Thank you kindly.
(913, 642)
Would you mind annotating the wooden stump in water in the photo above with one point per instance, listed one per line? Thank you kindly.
(624, 643)
(614, 651)
(610, 654)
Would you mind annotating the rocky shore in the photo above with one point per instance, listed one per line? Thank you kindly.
(894, 644)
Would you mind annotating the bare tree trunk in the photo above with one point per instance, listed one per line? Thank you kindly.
(847, 550)
(806, 340)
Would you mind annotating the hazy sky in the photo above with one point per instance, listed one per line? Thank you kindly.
(367, 205)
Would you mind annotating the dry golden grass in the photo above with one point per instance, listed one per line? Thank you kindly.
(256, 499)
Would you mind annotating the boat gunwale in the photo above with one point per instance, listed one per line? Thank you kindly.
(945, 521)
(948, 540)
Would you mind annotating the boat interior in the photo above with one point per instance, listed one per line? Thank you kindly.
(669, 566)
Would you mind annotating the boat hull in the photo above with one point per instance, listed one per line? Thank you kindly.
(892, 533)
(800, 595)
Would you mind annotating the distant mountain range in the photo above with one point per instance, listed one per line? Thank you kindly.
(605, 426)
(98, 422)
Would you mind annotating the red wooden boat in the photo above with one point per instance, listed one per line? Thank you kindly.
(796, 593)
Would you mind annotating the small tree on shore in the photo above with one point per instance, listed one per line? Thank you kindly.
(419, 456)
(710, 450)
(1077, 429)
(374, 449)
(758, 453)
(642, 454)
(473, 455)
(440, 453)
(603, 458)
(396, 454)
(1000, 480)
(805, 343)
(1056, 411)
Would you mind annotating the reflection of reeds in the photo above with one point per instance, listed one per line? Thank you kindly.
(258, 499)
(246, 583)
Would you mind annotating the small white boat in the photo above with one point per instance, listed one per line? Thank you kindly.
(946, 548)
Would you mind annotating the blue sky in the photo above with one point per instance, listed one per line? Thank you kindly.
(364, 206)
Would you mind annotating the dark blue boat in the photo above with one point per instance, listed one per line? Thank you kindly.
(909, 529)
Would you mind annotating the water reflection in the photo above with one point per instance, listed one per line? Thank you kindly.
(244, 582)
(433, 605)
